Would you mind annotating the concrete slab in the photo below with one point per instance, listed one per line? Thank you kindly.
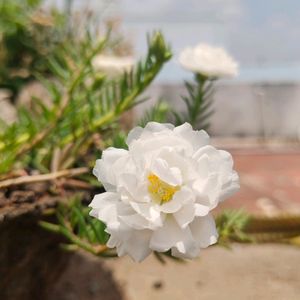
(247, 272)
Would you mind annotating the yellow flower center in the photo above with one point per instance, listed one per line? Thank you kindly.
(160, 190)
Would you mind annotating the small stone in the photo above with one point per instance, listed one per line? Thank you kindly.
(157, 285)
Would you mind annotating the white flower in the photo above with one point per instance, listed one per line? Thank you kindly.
(160, 192)
(113, 65)
(208, 61)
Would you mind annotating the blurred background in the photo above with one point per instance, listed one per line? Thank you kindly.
(264, 39)
(256, 117)
(256, 114)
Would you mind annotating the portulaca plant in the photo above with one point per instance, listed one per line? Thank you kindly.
(159, 186)
(161, 191)
(208, 64)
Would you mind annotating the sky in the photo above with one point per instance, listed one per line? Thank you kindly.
(263, 36)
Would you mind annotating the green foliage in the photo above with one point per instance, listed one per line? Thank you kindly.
(231, 226)
(158, 113)
(119, 140)
(84, 103)
(27, 37)
(80, 230)
(198, 103)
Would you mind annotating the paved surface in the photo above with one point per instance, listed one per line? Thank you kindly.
(270, 181)
(270, 185)
(247, 272)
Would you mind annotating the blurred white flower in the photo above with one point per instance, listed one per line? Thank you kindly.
(113, 65)
(208, 61)
(160, 192)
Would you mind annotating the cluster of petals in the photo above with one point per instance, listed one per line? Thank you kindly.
(209, 61)
(113, 66)
(160, 192)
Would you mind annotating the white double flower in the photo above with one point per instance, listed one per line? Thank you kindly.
(159, 192)
(212, 62)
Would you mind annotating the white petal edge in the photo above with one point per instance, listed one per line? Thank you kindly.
(204, 231)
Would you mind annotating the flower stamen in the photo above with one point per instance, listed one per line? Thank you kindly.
(161, 191)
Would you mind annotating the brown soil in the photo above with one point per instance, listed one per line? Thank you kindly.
(34, 267)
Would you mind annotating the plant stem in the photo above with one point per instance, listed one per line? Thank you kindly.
(43, 177)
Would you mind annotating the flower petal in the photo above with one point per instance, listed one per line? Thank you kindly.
(230, 187)
(137, 246)
(157, 127)
(185, 215)
(204, 231)
(138, 222)
(197, 138)
(169, 175)
(103, 199)
(148, 211)
(103, 167)
(171, 235)
(135, 243)
(201, 210)
(183, 196)
(134, 134)
(208, 190)
(166, 236)
(104, 208)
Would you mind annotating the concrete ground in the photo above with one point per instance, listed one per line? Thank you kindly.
(268, 272)
(246, 272)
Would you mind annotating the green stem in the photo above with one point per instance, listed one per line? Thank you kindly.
(126, 104)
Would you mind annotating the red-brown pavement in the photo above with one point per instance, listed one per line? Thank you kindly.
(269, 179)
